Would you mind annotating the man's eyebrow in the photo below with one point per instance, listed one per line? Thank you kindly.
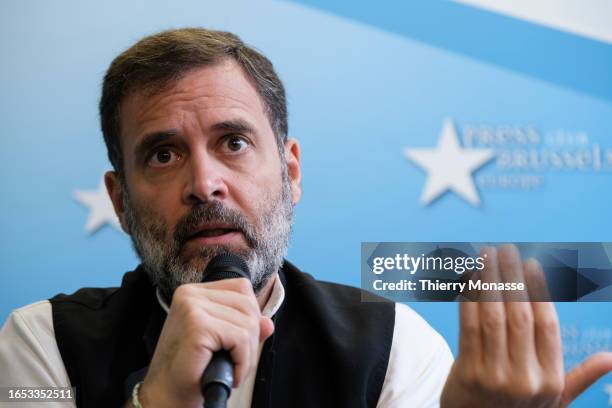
(234, 126)
(152, 139)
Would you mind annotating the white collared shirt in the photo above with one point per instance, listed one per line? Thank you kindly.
(419, 361)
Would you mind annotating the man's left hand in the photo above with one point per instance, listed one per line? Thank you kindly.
(510, 352)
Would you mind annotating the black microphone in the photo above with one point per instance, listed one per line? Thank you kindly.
(218, 377)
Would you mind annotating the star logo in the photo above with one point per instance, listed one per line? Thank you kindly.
(608, 390)
(100, 208)
(449, 166)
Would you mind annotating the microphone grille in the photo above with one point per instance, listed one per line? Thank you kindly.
(226, 266)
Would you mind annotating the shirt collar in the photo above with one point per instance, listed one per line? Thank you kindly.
(270, 308)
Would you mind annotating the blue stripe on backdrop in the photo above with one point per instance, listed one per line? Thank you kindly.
(564, 59)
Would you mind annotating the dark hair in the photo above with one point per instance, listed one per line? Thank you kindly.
(159, 60)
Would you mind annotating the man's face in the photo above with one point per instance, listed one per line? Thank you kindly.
(203, 175)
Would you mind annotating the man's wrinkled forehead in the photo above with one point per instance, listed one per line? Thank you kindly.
(214, 91)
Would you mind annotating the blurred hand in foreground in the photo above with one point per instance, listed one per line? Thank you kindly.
(510, 351)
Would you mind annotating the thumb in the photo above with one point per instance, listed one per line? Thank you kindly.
(585, 374)
(266, 328)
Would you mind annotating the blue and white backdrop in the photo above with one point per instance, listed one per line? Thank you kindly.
(419, 121)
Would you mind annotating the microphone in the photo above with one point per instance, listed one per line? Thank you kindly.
(218, 376)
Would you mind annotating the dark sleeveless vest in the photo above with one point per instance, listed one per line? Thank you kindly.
(329, 349)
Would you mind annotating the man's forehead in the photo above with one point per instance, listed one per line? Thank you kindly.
(212, 90)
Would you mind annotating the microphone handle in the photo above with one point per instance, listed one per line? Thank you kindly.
(217, 380)
(218, 377)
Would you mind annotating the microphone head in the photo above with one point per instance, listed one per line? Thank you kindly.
(226, 266)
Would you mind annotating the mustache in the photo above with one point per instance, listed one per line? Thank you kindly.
(209, 212)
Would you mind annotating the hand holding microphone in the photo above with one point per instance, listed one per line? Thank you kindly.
(219, 314)
(218, 377)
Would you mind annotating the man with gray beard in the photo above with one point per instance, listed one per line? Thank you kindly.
(195, 123)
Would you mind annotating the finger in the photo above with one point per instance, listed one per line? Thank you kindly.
(492, 317)
(536, 281)
(253, 325)
(241, 285)
(584, 375)
(490, 274)
(234, 294)
(245, 304)
(231, 315)
(493, 333)
(511, 271)
(266, 328)
(547, 332)
(238, 341)
(520, 325)
(470, 293)
(469, 336)
(205, 335)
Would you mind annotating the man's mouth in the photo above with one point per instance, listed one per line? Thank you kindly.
(212, 232)
(214, 235)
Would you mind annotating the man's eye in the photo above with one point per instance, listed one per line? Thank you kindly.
(163, 157)
(236, 144)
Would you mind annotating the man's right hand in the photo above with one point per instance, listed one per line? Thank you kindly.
(203, 318)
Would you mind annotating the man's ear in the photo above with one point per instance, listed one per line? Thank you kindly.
(115, 192)
(292, 155)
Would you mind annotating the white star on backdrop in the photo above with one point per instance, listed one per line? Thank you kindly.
(449, 166)
(100, 208)
(608, 389)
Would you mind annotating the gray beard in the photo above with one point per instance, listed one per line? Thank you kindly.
(161, 256)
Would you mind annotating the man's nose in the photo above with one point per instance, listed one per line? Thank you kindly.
(205, 182)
